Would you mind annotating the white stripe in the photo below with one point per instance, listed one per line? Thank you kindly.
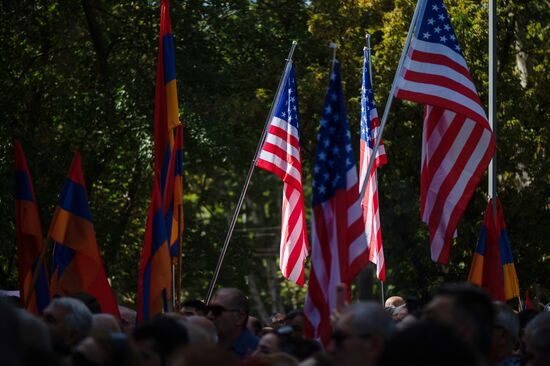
(281, 164)
(282, 144)
(442, 92)
(442, 70)
(317, 260)
(284, 125)
(457, 191)
(312, 314)
(429, 47)
(446, 166)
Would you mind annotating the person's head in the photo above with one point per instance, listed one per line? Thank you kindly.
(106, 323)
(228, 310)
(427, 344)
(394, 301)
(127, 319)
(505, 332)
(193, 307)
(201, 330)
(106, 349)
(360, 334)
(468, 310)
(269, 343)
(537, 340)
(89, 300)
(158, 339)
(254, 326)
(69, 322)
(295, 319)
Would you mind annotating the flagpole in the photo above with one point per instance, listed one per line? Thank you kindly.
(249, 175)
(179, 272)
(419, 5)
(492, 189)
(367, 36)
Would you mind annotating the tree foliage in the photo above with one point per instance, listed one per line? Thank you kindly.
(81, 75)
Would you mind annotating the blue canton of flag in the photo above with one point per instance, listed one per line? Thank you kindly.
(367, 105)
(334, 153)
(435, 26)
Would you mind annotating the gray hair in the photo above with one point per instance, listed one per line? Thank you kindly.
(506, 319)
(371, 318)
(537, 333)
(79, 317)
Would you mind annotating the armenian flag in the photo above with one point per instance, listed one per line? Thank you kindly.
(155, 275)
(493, 265)
(77, 263)
(28, 236)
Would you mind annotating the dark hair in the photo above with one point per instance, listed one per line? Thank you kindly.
(194, 303)
(167, 333)
(294, 314)
(473, 306)
(427, 344)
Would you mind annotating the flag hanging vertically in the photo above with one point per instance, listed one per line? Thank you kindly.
(280, 154)
(28, 236)
(337, 229)
(493, 265)
(370, 125)
(168, 163)
(77, 263)
(528, 302)
(457, 141)
(166, 116)
(154, 292)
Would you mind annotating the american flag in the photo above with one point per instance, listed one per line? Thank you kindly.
(337, 234)
(369, 130)
(280, 155)
(457, 141)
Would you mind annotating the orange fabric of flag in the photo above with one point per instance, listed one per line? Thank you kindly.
(77, 262)
(28, 236)
(155, 276)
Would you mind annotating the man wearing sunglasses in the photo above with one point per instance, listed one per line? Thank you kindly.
(360, 334)
(228, 309)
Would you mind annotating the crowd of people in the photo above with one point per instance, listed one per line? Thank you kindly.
(459, 326)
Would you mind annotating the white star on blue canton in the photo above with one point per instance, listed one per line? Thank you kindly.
(435, 7)
(426, 35)
(328, 109)
(443, 39)
(437, 29)
(431, 21)
(322, 156)
(323, 122)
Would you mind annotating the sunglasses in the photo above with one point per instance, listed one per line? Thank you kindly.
(218, 310)
(339, 337)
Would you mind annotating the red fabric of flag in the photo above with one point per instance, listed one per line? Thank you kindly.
(77, 263)
(280, 154)
(457, 141)
(28, 236)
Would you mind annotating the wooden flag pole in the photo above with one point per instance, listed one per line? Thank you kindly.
(249, 175)
(367, 36)
(492, 171)
(419, 5)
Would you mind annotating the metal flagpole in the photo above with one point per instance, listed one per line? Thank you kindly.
(367, 36)
(179, 272)
(249, 176)
(419, 5)
(492, 189)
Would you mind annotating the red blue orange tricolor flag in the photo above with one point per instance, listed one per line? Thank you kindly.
(77, 263)
(493, 264)
(168, 133)
(155, 276)
(28, 236)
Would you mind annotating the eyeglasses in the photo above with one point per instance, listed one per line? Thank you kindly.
(218, 310)
(339, 337)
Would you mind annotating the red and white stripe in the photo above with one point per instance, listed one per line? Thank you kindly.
(457, 142)
(338, 247)
(280, 155)
(371, 214)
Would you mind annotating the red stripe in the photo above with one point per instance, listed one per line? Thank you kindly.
(446, 187)
(294, 257)
(285, 135)
(324, 329)
(443, 103)
(322, 237)
(282, 154)
(275, 169)
(439, 59)
(442, 81)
